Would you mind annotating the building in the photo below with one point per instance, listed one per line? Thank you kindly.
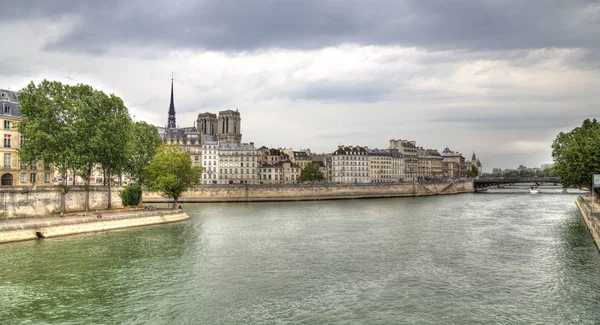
(409, 150)
(547, 166)
(214, 142)
(269, 156)
(302, 158)
(14, 171)
(350, 164)
(453, 164)
(210, 161)
(385, 166)
(238, 163)
(429, 164)
(281, 172)
(477, 163)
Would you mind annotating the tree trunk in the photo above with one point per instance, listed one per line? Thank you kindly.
(141, 201)
(120, 179)
(109, 182)
(63, 193)
(87, 191)
(175, 202)
(74, 177)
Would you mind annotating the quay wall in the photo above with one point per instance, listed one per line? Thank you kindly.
(55, 227)
(43, 201)
(297, 192)
(592, 220)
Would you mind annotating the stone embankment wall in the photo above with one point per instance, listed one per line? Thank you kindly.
(43, 201)
(34, 228)
(592, 220)
(255, 193)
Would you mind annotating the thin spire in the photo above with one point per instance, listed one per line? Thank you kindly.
(171, 122)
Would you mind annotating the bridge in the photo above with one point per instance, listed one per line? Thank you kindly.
(497, 181)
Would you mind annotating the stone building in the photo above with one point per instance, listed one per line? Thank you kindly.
(453, 164)
(430, 164)
(409, 150)
(271, 156)
(350, 164)
(14, 171)
(281, 172)
(215, 143)
(301, 158)
(210, 162)
(238, 163)
(386, 166)
(477, 163)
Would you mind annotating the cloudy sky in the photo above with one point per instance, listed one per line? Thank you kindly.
(501, 77)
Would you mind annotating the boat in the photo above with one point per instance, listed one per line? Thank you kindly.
(533, 190)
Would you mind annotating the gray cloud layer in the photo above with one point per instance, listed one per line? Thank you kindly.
(499, 76)
(231, 25)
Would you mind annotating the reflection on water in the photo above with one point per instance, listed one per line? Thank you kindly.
(463, 259)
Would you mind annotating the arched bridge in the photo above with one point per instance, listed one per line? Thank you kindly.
(496, 181)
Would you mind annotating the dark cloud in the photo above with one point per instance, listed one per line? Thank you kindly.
(231, 25)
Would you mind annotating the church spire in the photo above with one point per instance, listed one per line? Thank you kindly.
(171, 123)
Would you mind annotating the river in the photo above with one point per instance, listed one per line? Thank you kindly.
(483, 258)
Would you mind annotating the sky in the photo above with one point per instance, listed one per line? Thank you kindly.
(501, 78)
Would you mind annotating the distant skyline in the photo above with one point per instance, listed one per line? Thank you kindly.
(502, 78)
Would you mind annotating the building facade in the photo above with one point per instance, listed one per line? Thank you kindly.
(409, 150)
(350, 164)
(453, 164)
(14, 171)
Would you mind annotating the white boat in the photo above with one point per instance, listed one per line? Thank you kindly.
(533, 190)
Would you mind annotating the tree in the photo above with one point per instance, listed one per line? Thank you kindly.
(112, 130)
(171, 173)
(47, 113)
(576, 154)
(311, 173)
(142, 146)
(473, 171)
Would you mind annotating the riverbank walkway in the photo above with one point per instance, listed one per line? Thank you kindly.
(17, 229)
(590, 216)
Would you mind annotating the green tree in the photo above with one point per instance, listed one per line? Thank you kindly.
(86, 105)
(311, 173)
(112, 131)
(472, 172)
(47, 113)
(142, 146)
(171, 173)
(576, 154)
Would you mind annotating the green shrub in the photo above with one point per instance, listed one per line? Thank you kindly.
(131, 195)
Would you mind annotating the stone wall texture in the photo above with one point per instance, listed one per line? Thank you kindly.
(288, 192)
(591, 219)
(43, 201)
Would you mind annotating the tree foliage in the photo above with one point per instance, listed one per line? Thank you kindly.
(131, 195)
(143, 144)
(473, 171)
(311, 173)
(171, 173)
(577, 154)
(73, 128)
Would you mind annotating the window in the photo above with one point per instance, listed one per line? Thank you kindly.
(7, 141)
(23, 165)
(6, 161)
(196, 158)
(46, 166)
(46, 177)
(6, 108)
(23, 178)
(32, 178)
(6, 125)
(33, 165)
(4, 96)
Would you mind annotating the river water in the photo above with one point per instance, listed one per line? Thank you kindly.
(484, 258)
